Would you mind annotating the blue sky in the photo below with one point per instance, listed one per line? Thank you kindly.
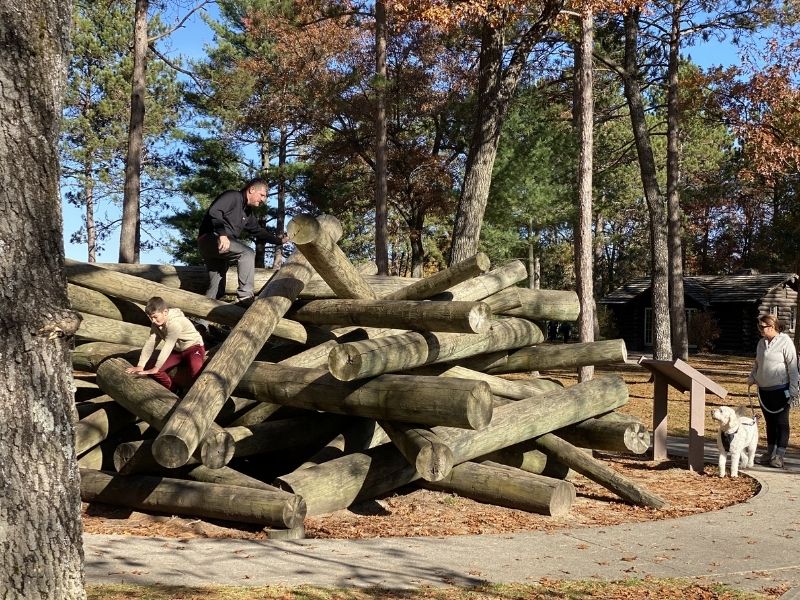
(190, 40)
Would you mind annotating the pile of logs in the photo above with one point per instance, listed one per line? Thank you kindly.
(337, 386)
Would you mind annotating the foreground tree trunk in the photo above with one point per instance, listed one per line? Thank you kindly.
(40, 508)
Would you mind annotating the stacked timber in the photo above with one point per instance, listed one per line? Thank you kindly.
(337, 386)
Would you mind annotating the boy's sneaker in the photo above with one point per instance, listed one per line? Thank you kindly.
(777, 462)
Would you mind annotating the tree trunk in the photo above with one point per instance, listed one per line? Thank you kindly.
(506, 486)
(381, 81)
(584, 268)
(677, 311)
(662, 347)
(358, 360)
(130, 232)
(416, 229)
(193, 498)
(91, 226)
(455, 317)
(443, 280)
(40, 509)
(498, 75)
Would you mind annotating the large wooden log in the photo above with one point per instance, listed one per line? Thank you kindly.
(194, 414)
(87, 357)
(195, 279)
(597, 471)
(526, 457)
(503, 300)
(608, 435)
(140, 290)
(97, 426)
(422, 448)
(424, 400)
(483, 286)
(561, 356)
(193, 498)
(514, 390)
(358, 360)
(442, 280)
(96, 303)
(458, 317)
(321, 250)
(112, 331)
(338, 483)
(152, 402)
(361, 434)
(513, 488)
(285, 434)
(546, 305)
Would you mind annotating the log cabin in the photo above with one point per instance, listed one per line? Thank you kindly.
(721, 310)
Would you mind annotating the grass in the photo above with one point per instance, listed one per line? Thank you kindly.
(662, 589)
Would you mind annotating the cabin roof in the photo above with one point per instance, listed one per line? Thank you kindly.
(711, 289)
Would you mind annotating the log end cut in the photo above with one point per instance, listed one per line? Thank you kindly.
(217, 449)
(303, 229)
(637, 438)
(480, 406)
(344, 363)
(562, 498)
(434, 462)
(170, 451)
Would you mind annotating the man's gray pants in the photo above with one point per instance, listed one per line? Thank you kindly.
(217, 264)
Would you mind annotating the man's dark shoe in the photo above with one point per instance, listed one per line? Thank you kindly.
(245, 302)
(777, 462)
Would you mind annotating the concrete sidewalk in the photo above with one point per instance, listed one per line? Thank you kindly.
(750, 546)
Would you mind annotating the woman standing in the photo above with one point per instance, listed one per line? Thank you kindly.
(775, 373)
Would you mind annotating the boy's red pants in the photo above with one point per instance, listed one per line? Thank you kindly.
(189, 363)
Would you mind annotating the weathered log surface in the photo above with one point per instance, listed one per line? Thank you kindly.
(193, 498)
(598, 472)
(513, 488)
(515, 390)
(526, 457)
(608, 435)
(196, 412)
(97, 426)
(361, 434)
(140, 290)
(358, 360)
(336, 484)
(422, 448)
(415, 399)
(459, 317)
(152, 402)
(112, 331)
(485, 285)
(321, 250)
(546, 305)
(195, 279)
(442, 280)
(546, 357)
(96, 303)
(285, 434)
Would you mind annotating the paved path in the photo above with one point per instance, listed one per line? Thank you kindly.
(751, 546)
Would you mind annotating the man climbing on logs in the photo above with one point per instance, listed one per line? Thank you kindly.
(218, 240)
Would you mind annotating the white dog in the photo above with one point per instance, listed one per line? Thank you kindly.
(738, 436)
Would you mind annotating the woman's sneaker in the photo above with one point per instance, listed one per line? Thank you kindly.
(764, 460)
(777, 462)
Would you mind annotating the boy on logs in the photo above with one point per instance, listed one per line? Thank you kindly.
(182, 348)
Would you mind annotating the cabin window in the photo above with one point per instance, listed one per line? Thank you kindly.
(773, 310)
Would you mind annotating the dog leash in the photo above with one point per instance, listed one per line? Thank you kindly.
(750, 402)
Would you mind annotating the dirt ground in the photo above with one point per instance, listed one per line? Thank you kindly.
(413, 511)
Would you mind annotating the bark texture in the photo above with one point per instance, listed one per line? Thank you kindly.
(40, 529)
